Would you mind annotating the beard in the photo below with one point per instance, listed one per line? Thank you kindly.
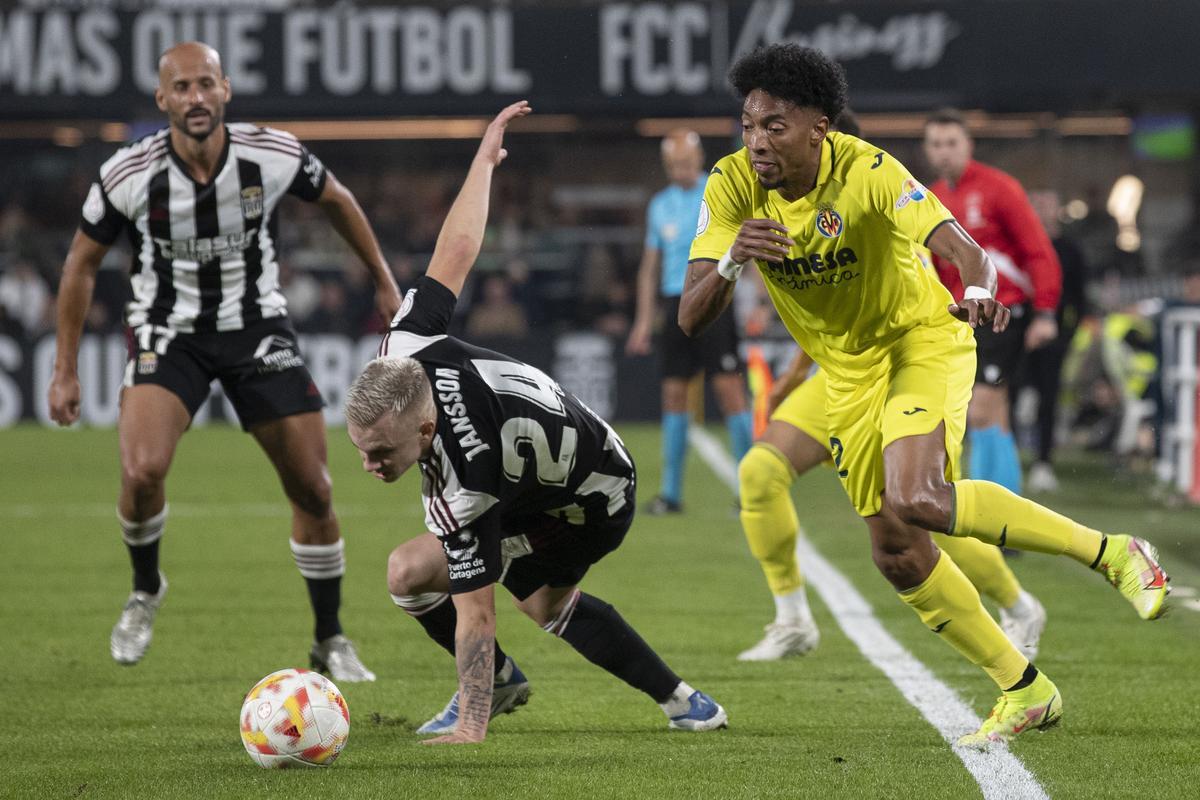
(768, 185)
(199, 134)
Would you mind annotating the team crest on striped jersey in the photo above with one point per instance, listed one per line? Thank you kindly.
(829, 222)
(147, 363)
(252, 202)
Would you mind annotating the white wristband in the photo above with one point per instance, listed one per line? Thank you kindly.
(976, 293)
(729, 269)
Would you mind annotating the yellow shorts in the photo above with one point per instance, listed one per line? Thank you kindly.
(804, 408)
(924, 379)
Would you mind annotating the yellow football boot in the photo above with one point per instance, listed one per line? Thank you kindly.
(1038, 705)
(1131, 566)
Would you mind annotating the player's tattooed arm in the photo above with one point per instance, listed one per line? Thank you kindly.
(461, 236)
(951, 242)
(475, 655)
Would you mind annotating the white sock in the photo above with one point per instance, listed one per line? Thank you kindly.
(792, 608)
(677, 703)
(320, 560)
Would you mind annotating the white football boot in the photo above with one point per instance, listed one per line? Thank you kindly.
(783, 639)
(1041, 479)
(134, 629)
(337, 658)
(1023, 623)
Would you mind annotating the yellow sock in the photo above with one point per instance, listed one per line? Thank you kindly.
(949, 605)
(769, 517)
(992, 513)
(984, 566)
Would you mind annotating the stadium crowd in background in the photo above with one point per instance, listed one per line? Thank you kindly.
(544, 264)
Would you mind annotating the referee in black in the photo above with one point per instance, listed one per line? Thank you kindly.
(197, 200)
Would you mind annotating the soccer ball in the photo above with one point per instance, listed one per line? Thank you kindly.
(294, 718)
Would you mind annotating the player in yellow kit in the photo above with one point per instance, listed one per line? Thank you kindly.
(794, 442)
(829, 221)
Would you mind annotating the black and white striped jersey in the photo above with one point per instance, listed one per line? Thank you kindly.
(204, 255)
(510, 444)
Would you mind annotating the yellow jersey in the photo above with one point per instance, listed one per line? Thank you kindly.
(853, 282)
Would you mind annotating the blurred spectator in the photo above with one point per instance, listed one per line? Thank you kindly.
(496, 314)
(302, 290)
(112, 292)
(330, 315)
(17, 233)
(613, 314)
(1042, 368)
(25, 297)
(361, 315)
(406, 271)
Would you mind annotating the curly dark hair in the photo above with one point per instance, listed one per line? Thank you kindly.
(802, 75)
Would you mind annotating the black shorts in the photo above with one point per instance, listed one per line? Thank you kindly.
(999, 355)
(259, 367)
(562, 553)
(715, 351)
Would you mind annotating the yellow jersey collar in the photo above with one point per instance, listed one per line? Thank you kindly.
(823, 172)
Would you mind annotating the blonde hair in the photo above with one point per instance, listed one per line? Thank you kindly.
(390, 383)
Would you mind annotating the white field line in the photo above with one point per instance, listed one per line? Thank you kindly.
(1000, 774)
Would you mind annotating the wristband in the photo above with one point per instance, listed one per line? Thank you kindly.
(976, 293)
(729, 269)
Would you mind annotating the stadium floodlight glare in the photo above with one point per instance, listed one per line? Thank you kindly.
(1123, 203)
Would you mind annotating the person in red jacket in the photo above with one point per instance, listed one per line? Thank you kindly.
(992, 207)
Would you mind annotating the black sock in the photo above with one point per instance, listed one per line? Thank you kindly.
(144, 558)
(439, 622)
(1026, 678)
(326, 597)
(604, 638)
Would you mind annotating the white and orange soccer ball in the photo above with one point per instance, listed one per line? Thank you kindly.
(294, 718)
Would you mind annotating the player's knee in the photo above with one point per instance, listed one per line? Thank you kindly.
(403, 575)
(923, 507)
(763, 475)
(900, 565)
(144, 471)
(549, 612)
(313, 495)
(538, 612)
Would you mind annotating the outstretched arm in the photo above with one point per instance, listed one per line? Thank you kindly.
(462, 233)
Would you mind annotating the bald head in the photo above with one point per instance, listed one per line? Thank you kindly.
(192, 89)
(188, 56)
(683, 157)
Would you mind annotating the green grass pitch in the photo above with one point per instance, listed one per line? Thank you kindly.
(76, 725)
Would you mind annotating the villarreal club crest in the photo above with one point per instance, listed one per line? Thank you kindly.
(829, 222)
